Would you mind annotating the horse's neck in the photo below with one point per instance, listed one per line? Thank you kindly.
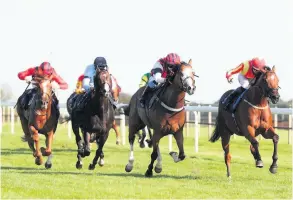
(100, 104)
(173, 96)
(256, 96)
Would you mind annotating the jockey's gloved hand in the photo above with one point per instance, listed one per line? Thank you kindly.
(27, 79)
(158, 78)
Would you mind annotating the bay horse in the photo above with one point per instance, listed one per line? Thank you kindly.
(165, 116)
(252, 117)
(41, 117)
(97, 117)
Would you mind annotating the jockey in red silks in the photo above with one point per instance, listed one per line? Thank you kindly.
(159, 73)
(246, 72)
(45, 70)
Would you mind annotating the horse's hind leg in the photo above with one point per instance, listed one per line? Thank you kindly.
(226, 147)
(149, 141)
(271, 134)
(114, 126)
(179, 140)
(27, 136)
(79, 143)
(141, 143)
(86, 139)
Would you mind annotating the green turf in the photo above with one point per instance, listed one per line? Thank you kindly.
(201, 175)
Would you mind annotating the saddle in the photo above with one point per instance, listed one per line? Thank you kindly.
(153, 96)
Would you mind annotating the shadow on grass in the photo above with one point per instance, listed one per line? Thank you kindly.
(28, 151)
(44, 171)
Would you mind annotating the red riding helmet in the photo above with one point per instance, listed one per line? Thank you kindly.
(258, 64)
(172, 59)
(47, 68)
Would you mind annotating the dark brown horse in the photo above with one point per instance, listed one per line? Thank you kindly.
(97, 117)
(166, 116)
(253, 117)
(41, 117)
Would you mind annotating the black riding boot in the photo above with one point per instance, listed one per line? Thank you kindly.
(232, 95)
(84, 100)
(143, 96)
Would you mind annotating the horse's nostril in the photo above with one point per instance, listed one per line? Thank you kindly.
(189, 88)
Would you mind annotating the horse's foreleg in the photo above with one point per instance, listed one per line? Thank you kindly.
(270, 134)
(101, 141)
(154, 155)
(86, 139)
(179, 140)
(49, 140)
(114, 126)
(251, 137)
(37, 153)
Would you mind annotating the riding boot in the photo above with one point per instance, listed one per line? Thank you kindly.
(232, 95)
(27, 97)
(243, 91)
(143, 96)
(86, 96)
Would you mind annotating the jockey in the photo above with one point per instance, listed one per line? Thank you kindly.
(45, 70)
(144, 79)
(246, 72)
(159, 73)
(88, 79)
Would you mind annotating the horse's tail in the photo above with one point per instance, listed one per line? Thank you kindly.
(64, 119)
(216, 133)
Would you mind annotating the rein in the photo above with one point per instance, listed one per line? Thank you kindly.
(254, 106)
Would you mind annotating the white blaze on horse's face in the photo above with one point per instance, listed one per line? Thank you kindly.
(45, 89)
(188, 80)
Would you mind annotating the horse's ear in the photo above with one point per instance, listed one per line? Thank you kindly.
(190, 62)
(274, 68)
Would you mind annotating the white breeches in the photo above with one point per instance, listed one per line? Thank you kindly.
(244, 82)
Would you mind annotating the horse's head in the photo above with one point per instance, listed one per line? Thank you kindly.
(184, 78)
(102, 81)
(44, 92)
(269, 81)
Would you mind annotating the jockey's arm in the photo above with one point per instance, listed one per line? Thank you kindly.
(24, 74)
(144, 80)
(62, 84)
(157, 73)
(234, 71)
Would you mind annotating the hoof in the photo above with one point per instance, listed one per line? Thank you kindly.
(87, 151)
(273, 169)
(78, 165)
(158, 170)
(39, 160)
(259, 164)
(142, 145)
(101, 162)
(150, 144)
(91, 167)
(128, 168)
(48, 165)
(148, 173)
(117, 143)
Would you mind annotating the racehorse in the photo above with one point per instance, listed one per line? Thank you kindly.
(40, 117)
(253, 117)
(166, 115)
(96, 117)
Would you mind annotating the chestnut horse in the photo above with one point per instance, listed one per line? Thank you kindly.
(41, 117)
(253, 117)
(165, 116)
(97, 117)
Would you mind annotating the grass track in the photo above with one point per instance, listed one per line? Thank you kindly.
(201, 175)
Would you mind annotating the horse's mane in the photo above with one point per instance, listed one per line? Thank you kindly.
(260, 75)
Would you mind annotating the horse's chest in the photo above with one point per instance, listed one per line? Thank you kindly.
(173, 122)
